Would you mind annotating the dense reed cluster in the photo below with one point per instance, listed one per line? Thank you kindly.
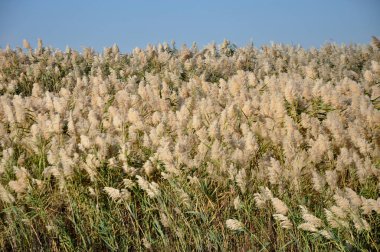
(224, 148)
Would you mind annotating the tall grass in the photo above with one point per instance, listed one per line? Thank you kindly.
(225, 148)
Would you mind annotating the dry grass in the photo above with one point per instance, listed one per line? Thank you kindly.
(225, 148)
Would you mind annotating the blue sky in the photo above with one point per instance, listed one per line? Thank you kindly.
(130, 24)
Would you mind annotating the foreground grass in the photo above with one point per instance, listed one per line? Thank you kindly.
(74, 219)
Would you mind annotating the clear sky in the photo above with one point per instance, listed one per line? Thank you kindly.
(130, 24)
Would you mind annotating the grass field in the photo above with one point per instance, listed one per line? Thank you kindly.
(223, 148)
